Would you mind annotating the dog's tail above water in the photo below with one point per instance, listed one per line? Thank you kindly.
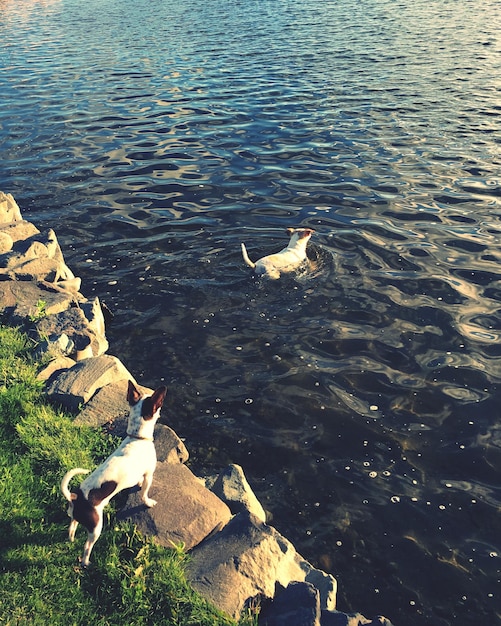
(246, 257)
(66, 481)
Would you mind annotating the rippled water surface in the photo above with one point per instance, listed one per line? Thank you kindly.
(362, 397)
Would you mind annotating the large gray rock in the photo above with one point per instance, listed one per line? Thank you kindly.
(53, 348)
(9, 210)
(298, 605)
(170, 448)
(83, 324)
(232, 487)
(19, 230)
(245, 561)
(38, 257)
(77, 385)
(94, 316)
(186, 512)
(27, 301)
(336, 618)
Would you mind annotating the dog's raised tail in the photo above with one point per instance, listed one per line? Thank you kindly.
(246, 257)
(66, 481)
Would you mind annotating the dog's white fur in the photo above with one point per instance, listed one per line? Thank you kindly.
(132, 463)
(287, 260)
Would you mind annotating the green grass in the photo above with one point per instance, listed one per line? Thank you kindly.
(131, 580)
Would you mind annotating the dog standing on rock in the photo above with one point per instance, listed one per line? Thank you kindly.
(133, 463)
(287, 260)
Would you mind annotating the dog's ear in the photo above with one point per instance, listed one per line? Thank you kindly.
(73, 496)
(133, 395)
(153, 403)
(290, 231)
(158, 398)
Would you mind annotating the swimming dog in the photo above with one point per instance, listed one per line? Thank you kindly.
(287, 260)
(132, 463)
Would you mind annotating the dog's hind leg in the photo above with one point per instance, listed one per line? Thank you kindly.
(72, 529)
(92, 537)
(147, 480)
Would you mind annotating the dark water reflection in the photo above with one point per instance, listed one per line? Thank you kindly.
(362, 399)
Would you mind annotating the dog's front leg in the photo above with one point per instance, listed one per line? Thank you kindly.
(147, 480)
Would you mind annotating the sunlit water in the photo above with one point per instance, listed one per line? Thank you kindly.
(361, 398)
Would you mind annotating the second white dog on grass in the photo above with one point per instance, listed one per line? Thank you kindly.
(287, 260)
(133, 463)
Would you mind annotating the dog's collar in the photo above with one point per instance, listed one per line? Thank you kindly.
(138, 437)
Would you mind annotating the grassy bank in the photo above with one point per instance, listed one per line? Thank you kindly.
(130, 581)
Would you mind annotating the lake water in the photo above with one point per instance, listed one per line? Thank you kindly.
(362, 398)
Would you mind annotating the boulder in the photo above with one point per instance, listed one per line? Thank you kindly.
(18, 230)
(60, 345)
(297, 605)
(186, 512)
(78, 384)
(9, 211)
(94, 316)
(85, 333)
(29, 301)
(336, 618)
(232, 487)
(170, 448)
(38, 257)
(245, 561)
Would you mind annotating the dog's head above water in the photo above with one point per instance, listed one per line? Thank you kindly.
(300, 233)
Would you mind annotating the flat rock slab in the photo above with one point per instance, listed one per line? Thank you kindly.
(109, 404)
(77, 385)
(18, 300)
(19, 230)
(186, 512)
(55, 367)
(245, 561)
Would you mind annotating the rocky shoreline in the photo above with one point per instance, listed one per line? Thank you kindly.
(237, 560)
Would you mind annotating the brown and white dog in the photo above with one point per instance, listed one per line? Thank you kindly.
(287, 260)
(133, 463)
